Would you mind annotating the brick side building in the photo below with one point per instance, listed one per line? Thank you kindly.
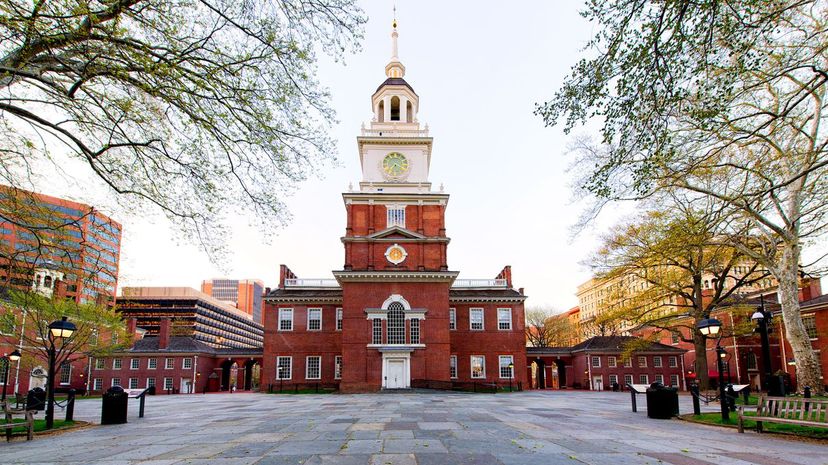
(395, 316)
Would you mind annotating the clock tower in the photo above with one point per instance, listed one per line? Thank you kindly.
(395, 249)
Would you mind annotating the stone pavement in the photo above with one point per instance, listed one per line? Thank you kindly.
(543, 428)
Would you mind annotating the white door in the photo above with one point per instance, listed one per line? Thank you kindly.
(598, 383)
(186, 386)
(395, 374)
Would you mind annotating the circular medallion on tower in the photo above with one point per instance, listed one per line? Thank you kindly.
(396, 254)
(395, 166)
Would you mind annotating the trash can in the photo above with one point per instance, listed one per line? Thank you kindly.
(114, 408)
(36, 399)
(151, 390)
(662, 402)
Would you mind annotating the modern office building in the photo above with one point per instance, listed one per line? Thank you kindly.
(244, 294)
(44, 238)
(192, 313)
(395, 316)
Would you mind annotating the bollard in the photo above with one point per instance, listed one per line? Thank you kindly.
(632, 394)
(70, 405)
(746, 395)
(807, 396)
(141, 405)
(694, 391)
(731, 398)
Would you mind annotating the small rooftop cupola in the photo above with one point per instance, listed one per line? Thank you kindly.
(395, 100)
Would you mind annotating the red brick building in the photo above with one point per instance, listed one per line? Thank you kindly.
(395, 316)
(600, 362)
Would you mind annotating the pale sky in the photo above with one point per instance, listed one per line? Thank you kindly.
(479, 68)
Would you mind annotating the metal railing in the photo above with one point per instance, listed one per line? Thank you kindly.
(479, 283)
(297, 282)
(395, 132)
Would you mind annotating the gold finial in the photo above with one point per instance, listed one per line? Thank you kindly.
(394, 24)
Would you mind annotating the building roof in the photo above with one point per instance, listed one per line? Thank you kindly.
(176, 344)
(820, 301)
(305, 294)
(395, 82)
(548, 350)
(176, 293)
(618, 343)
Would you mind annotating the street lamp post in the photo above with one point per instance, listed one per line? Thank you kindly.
(511, 375)
(7, 359)
(763, 320)
(711, 327)
(61, 329)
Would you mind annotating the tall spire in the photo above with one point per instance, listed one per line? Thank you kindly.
(394, 68)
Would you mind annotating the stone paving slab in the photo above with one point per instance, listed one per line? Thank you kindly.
(419, 428)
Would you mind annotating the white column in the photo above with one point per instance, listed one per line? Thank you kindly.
(387, 104)
(404, 109)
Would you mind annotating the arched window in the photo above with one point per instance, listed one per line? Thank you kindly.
(381, 111)
(47, 281)
(751, 361)
(396, 324)
(395, 108)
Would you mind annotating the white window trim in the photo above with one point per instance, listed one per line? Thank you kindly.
(452, 319)
(338, 375)
(612, 362)
(287, 311)
(307, 327)
(169, 363)
(290, 366)
(658, 362)
(97, 384)
(672, 362)
(100, 364)
(149, 365)
(500, 367)
(453, 358)
(129, 383)
(471, 366)
(148, 382)
(482, 319)
(640, 365)
(510, 319)
(164, 383)
(135, 364)
(392, 215)
(112, 382)
(120, 363)
(184, 363)
(60, 374)
(307, 366)
(339, 317)
(646, 377)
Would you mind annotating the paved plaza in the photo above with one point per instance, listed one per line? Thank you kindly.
(424, 428)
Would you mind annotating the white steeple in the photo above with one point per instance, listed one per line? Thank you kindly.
(394, 68)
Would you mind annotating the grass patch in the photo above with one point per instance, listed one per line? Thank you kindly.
(781, 428)
(40, 425)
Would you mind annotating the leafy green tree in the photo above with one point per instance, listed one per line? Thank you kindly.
(196, 108)
(721, 98)
(543, 329)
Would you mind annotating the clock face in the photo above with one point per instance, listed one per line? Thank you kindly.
(396, 254)
(395, 165)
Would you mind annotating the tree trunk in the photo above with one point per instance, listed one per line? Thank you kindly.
(700, 344)
(808, 369)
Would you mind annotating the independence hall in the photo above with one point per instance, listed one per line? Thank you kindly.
(395, 316)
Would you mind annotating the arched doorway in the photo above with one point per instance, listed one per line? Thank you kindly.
(229, 370)
(561, 373)
(251, 375)
(37, 378)
(541, 373)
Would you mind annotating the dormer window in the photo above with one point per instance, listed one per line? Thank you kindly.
(396, 216)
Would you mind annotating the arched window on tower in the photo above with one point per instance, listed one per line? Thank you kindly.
(395, 108)
(751, 361)
(47, 282)
(409, 112)
(381, 111)
(396, 324)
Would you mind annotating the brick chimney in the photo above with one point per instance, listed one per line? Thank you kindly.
(164, 333)
(506, 274)
(810, 289)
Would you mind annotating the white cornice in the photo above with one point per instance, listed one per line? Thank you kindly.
(473, 299)
(395, 276)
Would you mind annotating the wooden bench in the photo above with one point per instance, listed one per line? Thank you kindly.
(791, 410)
(9, 414)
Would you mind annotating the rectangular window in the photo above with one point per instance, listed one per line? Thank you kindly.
(414, 326)
(674, 338)
(97, 384)
(339, 319)
(478, 367)
(187, 363)
(134, 363)
(642, 362)
(628, 363)
(596, 361)
(284, 366)
(169, 364)
(751, 361)
(168, 384)
(643, 379)
(674, 381)
(133, 383)
(506, 366)
(116, 363)
(396, 216)
(657, 361)
(376, 331)
(152, 363)
(116, 381)
(659, 379)
(453, 367)
(672, 361)
(338, 367)
(65, 373)
(285, 319)
(150, 382)
(476, 319)
(314, 319)
(613, 379)
(611, 361)
(100, 364)
(504, 319)
(312, 367)
(810, 325)
(627, 379)
(452, 319)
